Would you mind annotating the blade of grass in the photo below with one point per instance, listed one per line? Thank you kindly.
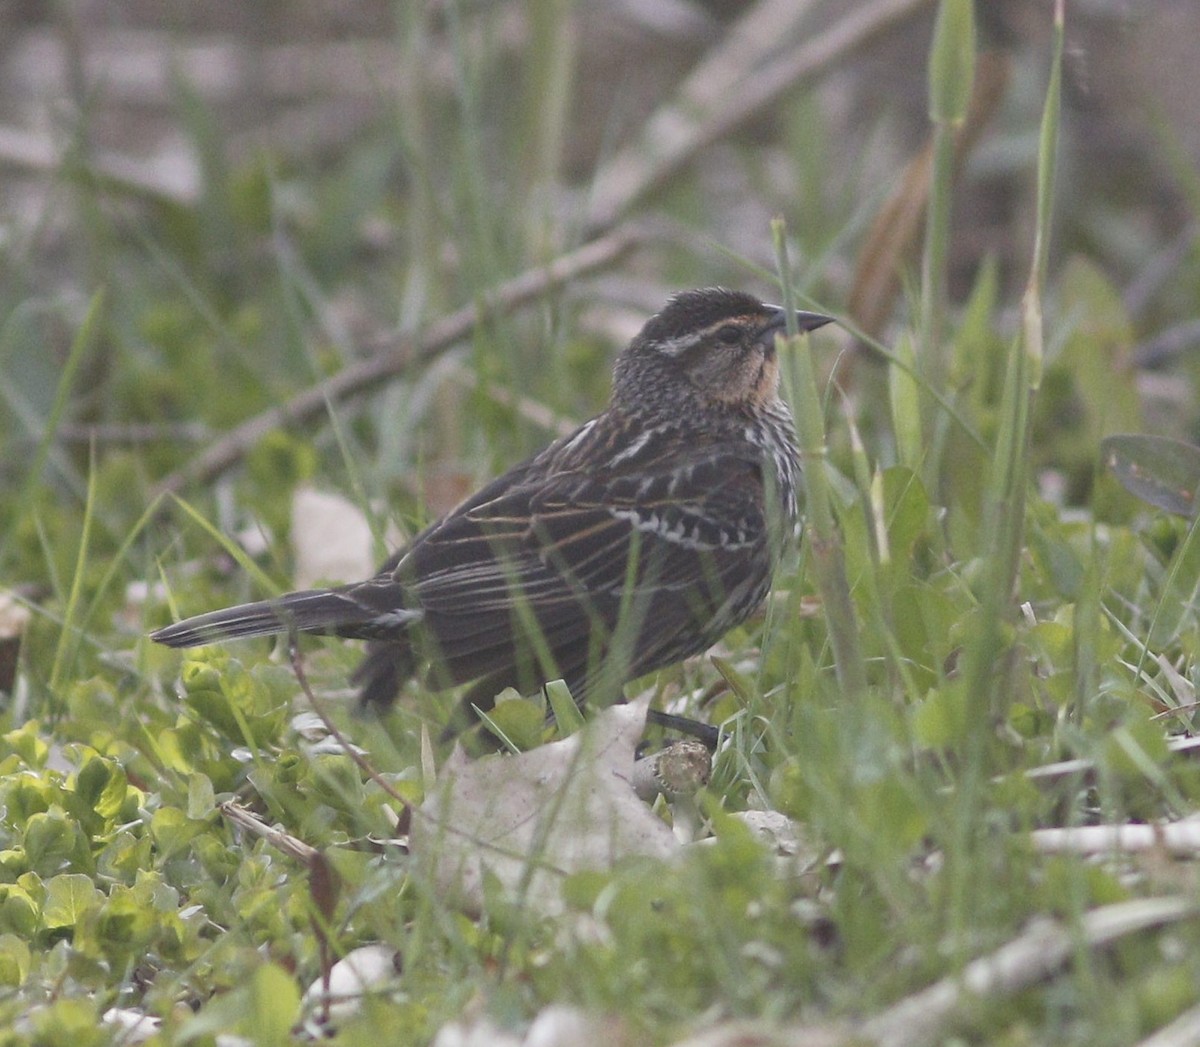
(235, 551)
(68, 637)
(546, 112)
(79, 345)
(566, 711)
(115, 561)
(951, 74)
(985, 679)
(1176, 602)
(906, 396)
(828, 559)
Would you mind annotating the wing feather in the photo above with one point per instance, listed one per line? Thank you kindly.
(569, 556)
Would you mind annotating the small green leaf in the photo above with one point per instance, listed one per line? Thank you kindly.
(68, 898)
(18, 910)
(275, 1003)
(941, 719)
(26, 742)
(563, 705)
(173, 830)
(1158, 470)
(14, 960)
(201, 799)
(519, 720)
(907, 507)
(102, 784)
(50, 841)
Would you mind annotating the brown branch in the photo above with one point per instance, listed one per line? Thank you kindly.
(282, 840)
(678, 131)
(132, 433)
(148, 178)
(352, 751)
(525, 407)
(1039, 953)
(391, 359)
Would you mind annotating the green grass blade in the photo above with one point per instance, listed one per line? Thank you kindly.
(828, 559)
(68, 637)
(80, 344)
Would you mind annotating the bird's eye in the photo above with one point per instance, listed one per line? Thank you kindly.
(730, 334)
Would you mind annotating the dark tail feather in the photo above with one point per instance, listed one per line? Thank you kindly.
(329, 611)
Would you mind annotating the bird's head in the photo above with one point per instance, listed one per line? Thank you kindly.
(713, 342)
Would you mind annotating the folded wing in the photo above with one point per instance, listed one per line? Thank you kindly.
(560, 578)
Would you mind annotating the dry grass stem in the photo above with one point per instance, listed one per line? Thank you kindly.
(675, 134)
(1040, 953)
(391, 359)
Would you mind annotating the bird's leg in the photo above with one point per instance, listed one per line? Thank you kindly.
(704, 732)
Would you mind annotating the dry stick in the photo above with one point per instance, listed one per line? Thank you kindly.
(322, 880)
(1178, 839)
(1041, 951)
(360, 761)
(1052, 773)
(282, 840)
(525, 407)
(675, 134)
(391, 359)
(133, 433)
(1184, 1031)
(139, 177)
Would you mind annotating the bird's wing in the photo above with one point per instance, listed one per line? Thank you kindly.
(577, 532)
(567, 553)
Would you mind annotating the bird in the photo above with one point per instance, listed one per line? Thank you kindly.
(634, 542)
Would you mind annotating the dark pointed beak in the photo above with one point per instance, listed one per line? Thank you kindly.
(777, 323)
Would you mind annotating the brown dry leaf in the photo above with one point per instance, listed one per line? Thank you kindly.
(529, 820)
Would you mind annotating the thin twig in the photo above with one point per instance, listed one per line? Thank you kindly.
(350, 750)
(1052, 773)
(1041, 951)
(282, 840)
(674, 135)
(149, 178)
(132, 433)
(390, 358)
(323, 881)
(1178, 839)
(1184, 1031)
(524, 406)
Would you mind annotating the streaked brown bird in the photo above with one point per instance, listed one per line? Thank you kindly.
(633, 543)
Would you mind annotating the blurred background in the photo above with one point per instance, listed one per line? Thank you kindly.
(207, 210)
(279, 276)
